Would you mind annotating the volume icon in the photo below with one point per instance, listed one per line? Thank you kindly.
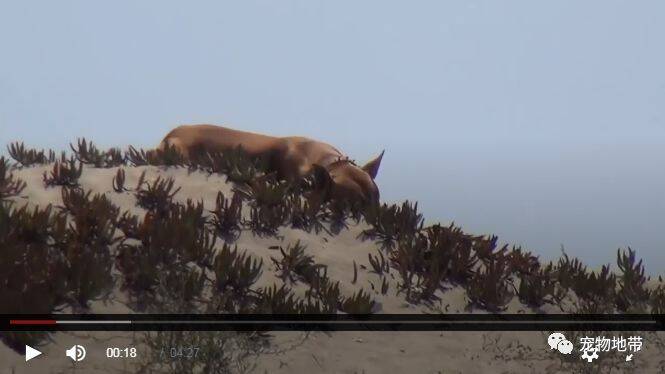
(76, 353)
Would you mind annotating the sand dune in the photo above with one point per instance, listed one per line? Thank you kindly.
(339, 352)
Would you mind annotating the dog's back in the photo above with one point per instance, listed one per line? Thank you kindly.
(189, 139)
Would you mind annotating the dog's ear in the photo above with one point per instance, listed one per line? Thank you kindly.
(372, 166)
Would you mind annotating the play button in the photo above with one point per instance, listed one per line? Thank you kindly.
(31, 353)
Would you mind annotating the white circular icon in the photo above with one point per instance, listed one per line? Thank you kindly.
(565, 347)
(554, 339)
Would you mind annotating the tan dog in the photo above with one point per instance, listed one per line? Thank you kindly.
(290, 157)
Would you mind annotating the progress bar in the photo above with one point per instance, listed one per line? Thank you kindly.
(125, 322)
(52, 322)
(338, 322)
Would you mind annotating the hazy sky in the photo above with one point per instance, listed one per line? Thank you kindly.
(542, 122)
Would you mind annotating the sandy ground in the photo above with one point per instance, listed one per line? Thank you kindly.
(340, 352)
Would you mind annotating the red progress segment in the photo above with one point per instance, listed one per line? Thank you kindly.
(40, 322)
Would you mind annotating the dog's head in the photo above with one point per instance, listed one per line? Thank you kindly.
(345, 180)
